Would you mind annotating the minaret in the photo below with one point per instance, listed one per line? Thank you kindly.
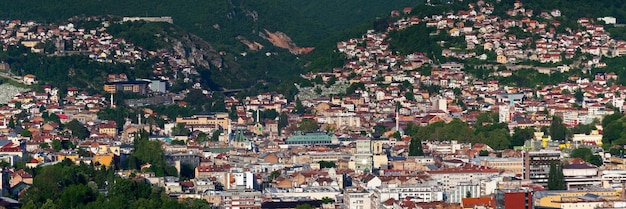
(230, 130)
(112, 104)
(397, 121)
(257, 116)
(139, 119)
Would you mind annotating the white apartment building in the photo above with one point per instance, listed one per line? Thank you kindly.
(423, 192)
(449, 178)
(358, 199)
(316, 193)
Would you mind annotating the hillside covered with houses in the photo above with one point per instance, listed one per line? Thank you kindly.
(462, 109)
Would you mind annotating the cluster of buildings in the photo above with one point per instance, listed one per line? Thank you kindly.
(97, 44)
(385, 79)
(253, 162)
(492, 33)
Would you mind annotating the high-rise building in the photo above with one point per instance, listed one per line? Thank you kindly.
(537, 165)
(362, 157)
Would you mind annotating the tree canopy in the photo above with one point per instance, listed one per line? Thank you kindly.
(486, 130)
(556, 180)
(149, 152)
(66, 185)
(587, 155)
(613, 132)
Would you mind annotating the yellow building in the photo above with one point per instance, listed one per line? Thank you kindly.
(109, 128)
(501, 59)
(109, 88)
(103, 159)
(557, 199)
(72, 157)
(30, 43)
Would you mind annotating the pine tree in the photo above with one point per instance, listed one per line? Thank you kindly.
(560, 177)
(283, 121)
(300, 109)
(415, 148)
(556, 179)
(233, 113)
(12, 123)
(551, 177)
(558, 131)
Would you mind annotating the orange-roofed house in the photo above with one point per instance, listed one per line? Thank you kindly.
(20, 176)
(478, 202)
(32, 163)
(29, 79)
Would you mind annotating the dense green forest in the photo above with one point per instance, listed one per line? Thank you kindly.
(307, 22)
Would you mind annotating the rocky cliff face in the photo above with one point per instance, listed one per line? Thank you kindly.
(197, 51)
(227, 71)
(280, 39)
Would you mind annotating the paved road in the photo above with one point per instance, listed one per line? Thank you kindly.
(7, 75)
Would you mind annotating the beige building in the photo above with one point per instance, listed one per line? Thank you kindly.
(220, 119)
(341, 120)
(358, 199)
(109, 128)
(508, 165)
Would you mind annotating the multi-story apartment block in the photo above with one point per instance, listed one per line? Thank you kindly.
(537, 165)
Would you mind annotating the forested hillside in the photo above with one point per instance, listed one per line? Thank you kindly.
(219, 23)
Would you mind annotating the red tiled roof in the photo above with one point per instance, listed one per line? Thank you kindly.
(480, 201)
(213, 168)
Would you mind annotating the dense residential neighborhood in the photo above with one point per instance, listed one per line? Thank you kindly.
(406, 131)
